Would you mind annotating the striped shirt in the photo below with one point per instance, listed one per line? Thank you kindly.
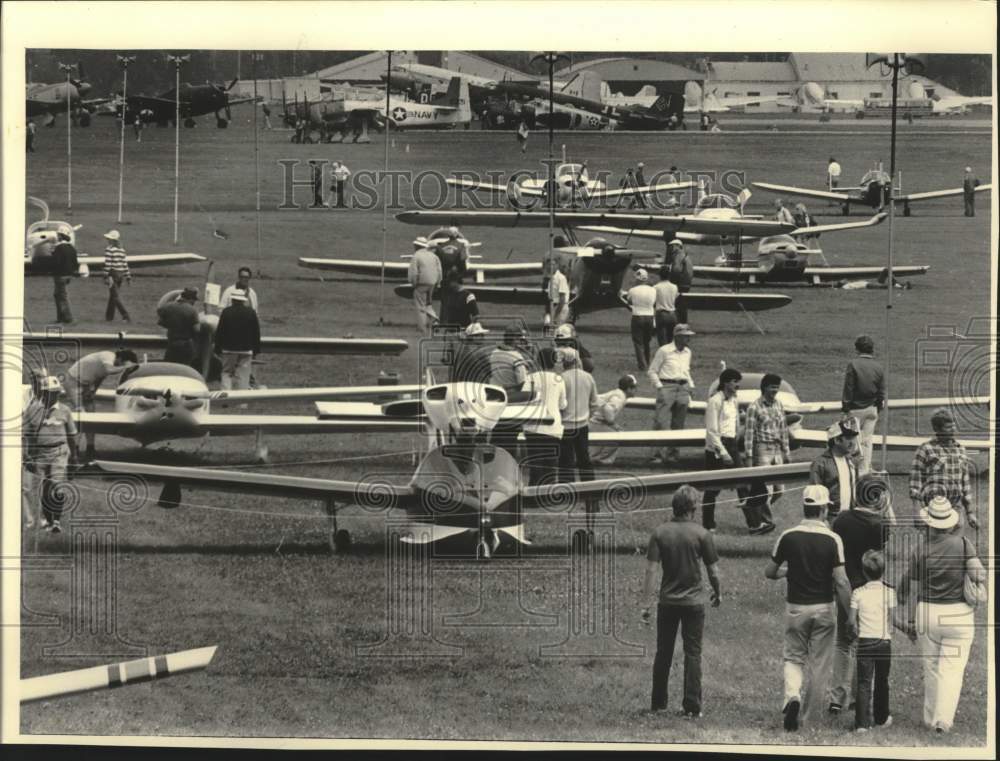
(115, 261)
(766, 425)
(941, 467)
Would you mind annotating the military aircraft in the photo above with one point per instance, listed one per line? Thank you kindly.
(50, 100)
(42, 237)
(873, 191)
(508, 113)
(195, 100)
(573, 188)
(463, 486)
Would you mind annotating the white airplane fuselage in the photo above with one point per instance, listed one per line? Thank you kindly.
(171, 403)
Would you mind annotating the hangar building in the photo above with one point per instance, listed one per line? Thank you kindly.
(629, 75)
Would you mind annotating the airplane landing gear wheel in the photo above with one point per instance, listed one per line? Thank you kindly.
(340, 541)
(483, 551)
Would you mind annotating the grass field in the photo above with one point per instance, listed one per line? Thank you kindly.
(253, 575)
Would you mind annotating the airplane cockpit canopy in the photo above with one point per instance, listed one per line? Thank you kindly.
(717, 201)
(168, 369)
(576, 172)
(875, 175)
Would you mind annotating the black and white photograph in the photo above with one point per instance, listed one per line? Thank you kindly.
(500, 375)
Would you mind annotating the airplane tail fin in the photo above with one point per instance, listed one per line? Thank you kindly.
(454, 92)
(661, 105)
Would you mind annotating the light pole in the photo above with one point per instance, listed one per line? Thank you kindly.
(551, 58)
(256, 146)
(68, 68)
(123, 61)
(177, 60)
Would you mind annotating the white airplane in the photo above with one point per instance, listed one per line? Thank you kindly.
(696, 100)
(463, 486)
(42, 237)
(873, 191)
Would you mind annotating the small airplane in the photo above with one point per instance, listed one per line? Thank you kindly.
(42, 237)
(697, 101)
(573, 187)
(195, 100)
(463, 486)
(508, 113)
(50, 100)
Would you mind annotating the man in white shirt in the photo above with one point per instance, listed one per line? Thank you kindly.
(558, 294)
(243, 276)
(542, 439)
(665, 307)
(609, 406)
(833, 173)
(641, 299)
(340, 176)
(424, 275)
(670, 374)
(581, 403)
(722, 415)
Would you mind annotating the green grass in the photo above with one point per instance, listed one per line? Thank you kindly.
(287, 617)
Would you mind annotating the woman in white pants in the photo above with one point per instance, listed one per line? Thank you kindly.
(942, 621)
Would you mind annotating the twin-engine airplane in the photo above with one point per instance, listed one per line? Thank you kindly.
(463, 486)
(873, 191)
(42, 236)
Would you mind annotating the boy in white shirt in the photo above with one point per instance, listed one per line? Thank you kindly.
(871, 611)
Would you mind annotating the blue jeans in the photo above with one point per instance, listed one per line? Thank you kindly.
(872, 701)
(691, 621)
(758, 501)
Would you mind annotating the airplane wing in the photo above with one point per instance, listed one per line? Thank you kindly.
(809, 438)
(319, 393)
(653, 234)
(685, 437)
(413, 410)
(243, 482)
(399, 270)
(826, 195)
(928, 195)
(96, 263)
(644, 190)
(817, 229)
(523, 190)
(495, 294)
(649, 403)
(661, 222)
(825, 274)
(897, 404)
(615, 489)
(120, 424)
(272, 345)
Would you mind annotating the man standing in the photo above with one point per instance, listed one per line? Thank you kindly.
(813, 560)
(237, 339)
(864, 394)
(969, 185)
(51, 441)
(833, 174)
(836, 468)
(581, 403)
(137, 128)
(639, 180)
(470, 362)
(665, 307)
(242, 284)
(64, 266)
(865, 527)
(453, 252)
(565, 338)
(679, 547)
(722, 450)
(508, 366)
(86, 375)
(681, 274)
(670, 374)
(765, 442)
(941, 467)
(558, 290)
(267, 115)
(424, 275)
(522, 135)
(782, 214)
(316, 176)
(115, 272)
(180, 318)
(340, 176)
(641, 299)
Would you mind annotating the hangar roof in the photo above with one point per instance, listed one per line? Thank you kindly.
(834, 67)
(751, 71)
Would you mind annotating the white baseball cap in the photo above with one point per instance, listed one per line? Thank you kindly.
(816, 495)
(565, 330)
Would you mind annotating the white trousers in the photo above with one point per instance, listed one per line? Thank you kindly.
(944, 632)
(867, 418)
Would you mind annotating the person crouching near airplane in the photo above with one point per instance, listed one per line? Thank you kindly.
(609, 409)
(49, 441)
(722, 416)
(86, 375)
(237, 339)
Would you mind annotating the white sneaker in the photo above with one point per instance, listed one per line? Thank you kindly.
(885, 724)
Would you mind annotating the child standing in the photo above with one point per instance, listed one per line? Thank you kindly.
(871, 608)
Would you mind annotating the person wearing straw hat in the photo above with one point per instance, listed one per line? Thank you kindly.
(941, 466)
(116, 271)
(938, 616)
(237, 339)
(969, 185)
(670, 374)
(641, 299)
(49, 438)
(836, 468)
(811, 558)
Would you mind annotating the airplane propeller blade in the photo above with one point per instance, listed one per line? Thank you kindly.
(232, 84)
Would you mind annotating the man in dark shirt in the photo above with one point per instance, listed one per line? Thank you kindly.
(471, 356)
(681, 273)
(969, 185)
(679, 547)
(863, 528)
(453, 253)
(180, 318)
(64, 266)
(459, 308)
(237, 339)
(864, 394)
(813, 560)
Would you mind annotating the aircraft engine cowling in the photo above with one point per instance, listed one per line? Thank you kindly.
(916, 90)
(811, 93)
(692, 94)
(464, 408)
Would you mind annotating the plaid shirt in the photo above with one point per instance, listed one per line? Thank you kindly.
(766, 424)
(941, 467)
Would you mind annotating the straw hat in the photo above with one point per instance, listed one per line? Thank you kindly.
(939, 513)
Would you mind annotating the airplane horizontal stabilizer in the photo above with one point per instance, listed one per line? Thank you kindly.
(805, 192)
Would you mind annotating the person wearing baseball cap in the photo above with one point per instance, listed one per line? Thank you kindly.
(565, 336)
(810, 557)
(641, 299)
(969, 185)
(836, 468)
(941, 466)
(942, 620)
(116, 272)
(581, 404)
(49, 441)
(670, 374)
(471, 355)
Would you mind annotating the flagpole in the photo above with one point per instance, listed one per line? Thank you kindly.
(177, 61)
(124, 60)
(256, 149)
(892, 218)
(68, 68)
